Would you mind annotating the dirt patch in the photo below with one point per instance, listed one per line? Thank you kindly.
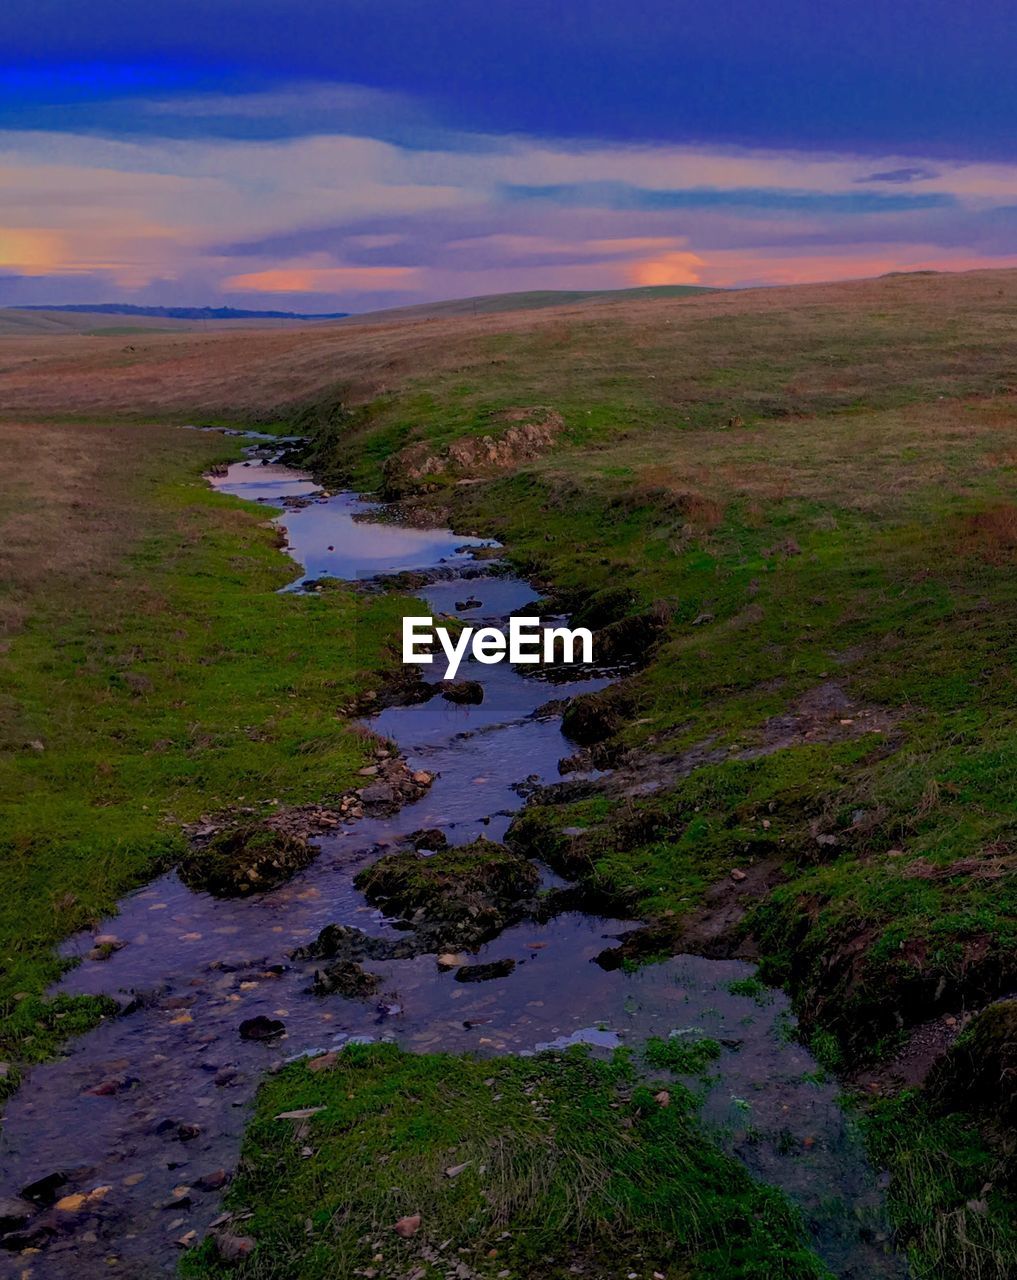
(715, 929)
(825, 713)
(910, 1065)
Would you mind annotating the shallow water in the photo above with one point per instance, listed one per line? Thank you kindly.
(194, 967)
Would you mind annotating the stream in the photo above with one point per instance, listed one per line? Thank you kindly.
(145, 1110)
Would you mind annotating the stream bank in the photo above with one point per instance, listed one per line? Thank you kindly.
(129, 1138)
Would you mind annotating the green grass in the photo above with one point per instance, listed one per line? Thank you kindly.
(951, 1198)
(871, 543)
(566, 1159)
(819, 484)
(906, 615)
(166, 682)
(682, 1056)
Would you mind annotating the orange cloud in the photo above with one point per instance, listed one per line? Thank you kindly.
(635, 244)
(29, 252)
(131, 253)
(668, 268)
(320, 279)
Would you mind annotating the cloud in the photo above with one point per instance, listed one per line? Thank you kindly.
(909, 173)
(345, 219)
(311, 279)
(669, 268)
(868, 79)
(619, 195)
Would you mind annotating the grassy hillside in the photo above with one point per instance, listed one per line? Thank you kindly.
(826, 515)
(531, 300)
(51, 321)
(801, 504)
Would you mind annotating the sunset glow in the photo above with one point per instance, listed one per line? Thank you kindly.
(341, 173)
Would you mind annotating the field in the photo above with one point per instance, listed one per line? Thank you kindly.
(801, 500)
(149, 675)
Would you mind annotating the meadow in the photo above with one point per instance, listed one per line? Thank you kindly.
(803, 497)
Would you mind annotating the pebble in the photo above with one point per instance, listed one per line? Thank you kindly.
(233, 1248)
(14, 1213)
(261, 1028)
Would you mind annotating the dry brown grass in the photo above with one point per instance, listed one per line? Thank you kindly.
(866, 462)
(992, 534)
(72, 503)
(810, 344)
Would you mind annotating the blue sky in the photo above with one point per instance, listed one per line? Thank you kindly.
(359, 153)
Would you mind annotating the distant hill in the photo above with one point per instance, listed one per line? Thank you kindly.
(116, 319)
(183, 313)
(533, 300)
(113, 322)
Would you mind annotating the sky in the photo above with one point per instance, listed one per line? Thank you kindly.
(323, 155)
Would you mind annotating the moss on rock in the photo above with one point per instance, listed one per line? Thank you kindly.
(245, 859)
(594, 717)
(460, 896)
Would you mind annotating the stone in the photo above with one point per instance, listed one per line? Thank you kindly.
(14, 1214)
(233, 1248)
(112, 1085)
(247, 858)
(485, 972)
(345, 978)
(468, 692)
(379, 793)
(428, 837)
(44, 1190)
(261, 1028)
(324, 1062)
(408, 1226)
